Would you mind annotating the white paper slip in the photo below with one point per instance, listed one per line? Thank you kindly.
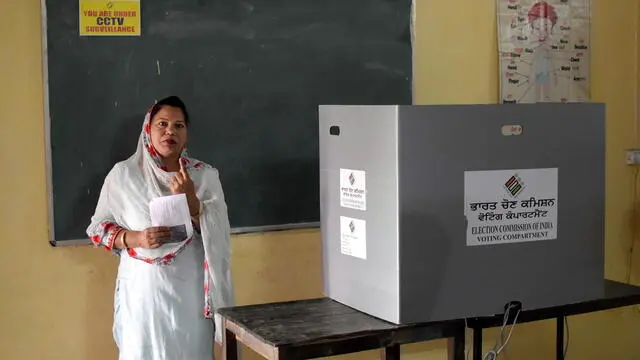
(172, 211)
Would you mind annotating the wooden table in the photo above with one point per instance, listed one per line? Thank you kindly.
(615, 295)
(314, 328)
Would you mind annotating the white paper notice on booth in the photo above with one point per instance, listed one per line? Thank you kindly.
(353, 189)
(353, 237)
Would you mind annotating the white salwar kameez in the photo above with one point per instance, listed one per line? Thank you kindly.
(165, 298)
(158, 309)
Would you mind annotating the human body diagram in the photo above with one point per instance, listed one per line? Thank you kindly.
(544, 50)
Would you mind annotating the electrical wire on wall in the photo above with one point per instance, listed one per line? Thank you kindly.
(566, 339)
(634, 197)
(467, 347)
(634, 220)
(634, 192)
(501, 343)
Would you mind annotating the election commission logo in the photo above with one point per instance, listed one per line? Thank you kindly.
(514, 185)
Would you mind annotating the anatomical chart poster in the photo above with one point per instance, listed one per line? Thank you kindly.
(544, 50)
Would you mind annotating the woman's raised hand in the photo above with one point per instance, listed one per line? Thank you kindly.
(182, 184)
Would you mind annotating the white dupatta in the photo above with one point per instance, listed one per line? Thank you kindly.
(124, 203)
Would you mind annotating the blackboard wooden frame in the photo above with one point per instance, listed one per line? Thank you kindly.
(48, 145)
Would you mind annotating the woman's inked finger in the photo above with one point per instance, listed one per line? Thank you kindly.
(183, 171)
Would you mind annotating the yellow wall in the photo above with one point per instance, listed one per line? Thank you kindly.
(56, 303)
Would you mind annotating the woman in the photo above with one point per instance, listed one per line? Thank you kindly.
(160, 297)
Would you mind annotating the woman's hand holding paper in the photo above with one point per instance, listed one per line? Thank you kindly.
(151, 238)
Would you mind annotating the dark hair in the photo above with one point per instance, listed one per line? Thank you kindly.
(172, 101)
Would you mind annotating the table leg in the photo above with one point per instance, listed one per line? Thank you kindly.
(391, 352)
(477, 343)
(560, 338)
(230, 346)
(456, 345)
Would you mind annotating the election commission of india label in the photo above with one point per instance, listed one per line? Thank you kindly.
(511, 206)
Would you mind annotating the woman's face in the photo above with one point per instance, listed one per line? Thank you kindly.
(169, 132)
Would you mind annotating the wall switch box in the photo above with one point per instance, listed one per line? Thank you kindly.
(633, 157)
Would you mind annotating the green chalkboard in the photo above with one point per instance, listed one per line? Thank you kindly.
(252, 74)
